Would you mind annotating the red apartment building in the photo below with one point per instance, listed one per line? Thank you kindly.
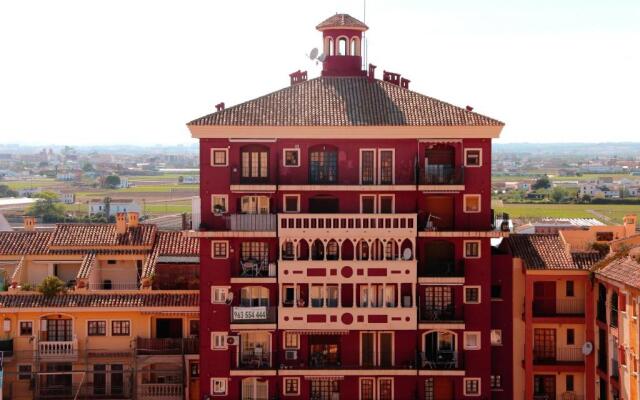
(345, 241)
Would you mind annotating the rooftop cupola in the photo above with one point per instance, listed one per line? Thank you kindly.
(342, 37)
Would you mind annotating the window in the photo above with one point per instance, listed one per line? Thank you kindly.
(473, 157)
(496, 337)
(604, 236)
(569, 290)
(218, 204)
(386, 204)
(323, 166)
(342, 47)
(254, 296)
(97, 328)
(325, 390)
(24, 372)
(219, 157)
(255, 163)
(471, 203)
(291, 157)
(218, 386)
(291, 341)
(367, 389)
(367, 204)
(111, 262)
(26, 328)
(254, 205)
(291, 203)
(332, 295)
(471, 249)
(571, 336)
(291, 386)
(569, 383)
(472, 294)
(429, 392)
(367, 167)
(219, 294)
(385, 388)
(472, 386)
(317, 299)
(219, 248)
(472, 341)
(496, 291)
(120, 328)
(255, 251)
(386, 167)
(194, 327)
(496, 381)
(218, 340)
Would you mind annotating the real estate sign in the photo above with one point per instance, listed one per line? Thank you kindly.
(247, 313)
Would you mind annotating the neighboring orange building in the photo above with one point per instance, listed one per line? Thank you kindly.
(127, 326)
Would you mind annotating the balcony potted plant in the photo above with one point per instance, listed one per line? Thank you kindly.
(219, 209)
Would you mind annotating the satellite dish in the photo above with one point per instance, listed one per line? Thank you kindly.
(406, 254)
(314, 53)
(587, 348)
(321, 57)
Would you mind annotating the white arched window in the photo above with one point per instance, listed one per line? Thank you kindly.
(342, 47)
(331, 49)
(355, 48)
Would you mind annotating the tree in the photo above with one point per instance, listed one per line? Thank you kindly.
(47, 207)
(51, 286)
(541, 183)
(6, 191)
(88, 167)
(112, 181)
(558, 194)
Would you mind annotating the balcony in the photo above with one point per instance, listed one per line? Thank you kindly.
(601, 312)
(615, 370)
(109, 285)
(253, 315)
(57, 350)
(603, 361)
(441, 175)
(563, 355)
(441, 269)
(250, 222)
(441, 360)
(255, 359)
(445, 314)
(161, 391)
(167, 346)
(341, 361)
(558, 307)
(6, 348)
(255, 269)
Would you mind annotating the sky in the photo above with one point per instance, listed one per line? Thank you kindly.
(134, 72)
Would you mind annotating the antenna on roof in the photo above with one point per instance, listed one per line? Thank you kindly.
(364, 35)
(313, 55)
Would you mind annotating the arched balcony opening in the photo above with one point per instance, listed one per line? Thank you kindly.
(317, 250)
(406, 244)
(439, 350)
(303, 250)
(355, 46)
(343, 48)
(333, 250)
(330, 50)
(377, 250)
(288, 250)
(391, 250)
(362, 251)
(347, 250)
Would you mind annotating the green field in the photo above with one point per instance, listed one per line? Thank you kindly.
(607, 213)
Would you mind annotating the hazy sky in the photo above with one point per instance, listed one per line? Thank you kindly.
(96, 72)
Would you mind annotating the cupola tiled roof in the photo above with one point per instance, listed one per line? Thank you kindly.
(342, 21)
(22, 243)
(102, 235)
(345, 101)
(100, 300)
(624, 270)
(541, 251)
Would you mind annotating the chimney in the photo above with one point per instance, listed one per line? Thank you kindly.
(391, 77)
(132, 219)
(298, 76)
(469, 108)
(629, 222)
(404, 82)
(220, 106)
(121, 223)
(372, 72)
(29, 224)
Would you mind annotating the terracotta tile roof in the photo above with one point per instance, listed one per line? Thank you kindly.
(21, 243)
(341, 21)
(101, 235)
(585, 260)
(345, 101)
(540, 251)
(88, 262)
(101, 300)
(176, 244)
(623, 270)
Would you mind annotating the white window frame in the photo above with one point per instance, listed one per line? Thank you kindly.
(226, 246)
(284, 386)
(379, 165)
(224, 345)
(466, 150)
(284, 203)
(222, 290)
(33, 327)
(496, 337)
(226, 156)
(375, 165)
(366, 378)
(110, 327)
(375, 202)
(226, 201)
(464, 294)
(258, 201)
(464, 203)
(222, 381)
(377, 386)
(466, 338)
(393, 202)
(284, 158)
(464, 246)
(464, 387)
(284, 341)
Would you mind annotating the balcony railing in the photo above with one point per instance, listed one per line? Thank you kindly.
(250, 222)
(442, 269)
(256, 269)
(441, 360)
(253, 315)
(164, 391)
(441, 174)
(440, 314)
(167, 346)
(107, 285)
(255, 359)
(52, 349)
(558, 307)
(562, 355)
(347, 221)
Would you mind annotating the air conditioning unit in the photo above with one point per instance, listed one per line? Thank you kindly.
(233, 340)
(291, 355)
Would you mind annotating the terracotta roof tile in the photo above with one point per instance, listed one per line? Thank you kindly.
(585, 260)
(624, 270)
(540, 251)
(88, 263)
(176, 244)
(341, 21)
(99, 235)
(345, 101)
(21, 243)
(109, 300)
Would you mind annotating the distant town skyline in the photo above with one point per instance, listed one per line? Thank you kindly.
(83, 73)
